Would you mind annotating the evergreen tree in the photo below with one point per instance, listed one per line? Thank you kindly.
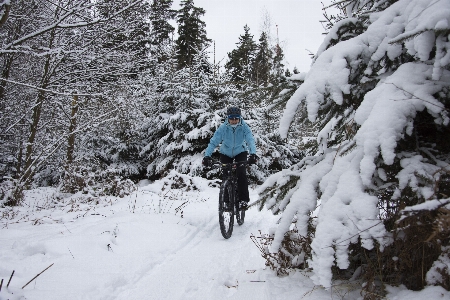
(187, 106)
(276, 154)
(240, 60)
(263, 61)
(116, 148)
(161, 29)
(133, 42)
(378, 93)
(251, 67)
(278, 66)
(191, 32)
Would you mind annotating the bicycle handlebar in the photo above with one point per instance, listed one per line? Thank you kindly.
(220, 164)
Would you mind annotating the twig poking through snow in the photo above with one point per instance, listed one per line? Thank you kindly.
(9, 281)
(35, 276)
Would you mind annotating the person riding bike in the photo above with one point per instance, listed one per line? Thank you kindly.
(237, 141)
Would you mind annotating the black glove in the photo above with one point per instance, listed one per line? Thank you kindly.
(252, 159)
(206, 161)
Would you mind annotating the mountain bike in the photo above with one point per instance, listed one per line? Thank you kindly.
(229, 199)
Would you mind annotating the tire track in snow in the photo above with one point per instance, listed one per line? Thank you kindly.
(204, 263)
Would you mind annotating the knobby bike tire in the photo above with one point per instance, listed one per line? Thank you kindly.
(240, 213)
(226, 211)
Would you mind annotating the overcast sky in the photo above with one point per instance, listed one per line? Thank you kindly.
(298, 25)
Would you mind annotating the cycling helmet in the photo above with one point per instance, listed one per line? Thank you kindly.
(233, 112)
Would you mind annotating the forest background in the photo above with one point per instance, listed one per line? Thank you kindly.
(97, 95)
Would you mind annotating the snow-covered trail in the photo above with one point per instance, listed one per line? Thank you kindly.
(140, 247)
(206, 266)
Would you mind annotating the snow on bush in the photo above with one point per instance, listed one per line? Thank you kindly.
(368, 93)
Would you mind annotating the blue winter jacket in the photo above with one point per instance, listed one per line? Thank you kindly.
(234, 140)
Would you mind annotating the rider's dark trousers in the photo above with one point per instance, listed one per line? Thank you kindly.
(240, 172)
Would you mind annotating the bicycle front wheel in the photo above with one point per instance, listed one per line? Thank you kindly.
(226, 210)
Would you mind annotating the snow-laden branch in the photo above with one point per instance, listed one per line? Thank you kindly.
(47, 90)
(384, 116)
(58, 23)
(52, 148)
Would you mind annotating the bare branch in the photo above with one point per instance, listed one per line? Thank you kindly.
(46, 90)
(58, 24)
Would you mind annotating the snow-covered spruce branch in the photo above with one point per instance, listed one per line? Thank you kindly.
(439, 163)
(356, 234)
(88, 76)
(405, 37)
(342, 4)
(47, 90)
(57, 23)
(335, 4)
(415, 97)
(410, 35)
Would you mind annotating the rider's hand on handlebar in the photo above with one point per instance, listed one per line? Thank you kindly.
(252, 159)
(206, 161)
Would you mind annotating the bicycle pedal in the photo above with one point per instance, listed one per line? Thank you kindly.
(243, 206)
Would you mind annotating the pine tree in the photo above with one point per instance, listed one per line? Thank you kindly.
(191, 32)
(161, 29)
(240, 60)
(276, 154)
(378, 92)
(130, 41)
(278, 66)
(261, 89)
(187, 104)
(263, 61)
(116, 150)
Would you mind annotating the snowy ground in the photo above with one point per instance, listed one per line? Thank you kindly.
(158, 243)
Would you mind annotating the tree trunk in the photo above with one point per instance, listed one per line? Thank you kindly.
(37, 115)
(19, 160)
(5, 74)
(5, 16)
(72, 127)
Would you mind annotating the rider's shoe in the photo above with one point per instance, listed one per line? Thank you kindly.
(243, 205)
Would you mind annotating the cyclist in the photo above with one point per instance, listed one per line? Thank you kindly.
(237, 140)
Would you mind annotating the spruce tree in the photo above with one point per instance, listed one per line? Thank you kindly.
(277, 65)
(161, 30)
(187, 105)
(263, 61)
(240, 60)
(191, 32)
(372, 195)
(251, 68)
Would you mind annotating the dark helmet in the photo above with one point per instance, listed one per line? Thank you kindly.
(234, 111)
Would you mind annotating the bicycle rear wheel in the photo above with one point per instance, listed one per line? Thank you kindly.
(240, 213)
(226, 211)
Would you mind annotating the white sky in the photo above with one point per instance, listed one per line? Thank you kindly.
(298, 25)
